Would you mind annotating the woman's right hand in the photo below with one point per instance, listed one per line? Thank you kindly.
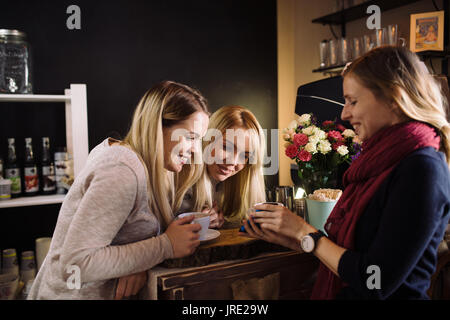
(183, 236)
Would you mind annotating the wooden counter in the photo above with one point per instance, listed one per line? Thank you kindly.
(228, 246)
(244, 270)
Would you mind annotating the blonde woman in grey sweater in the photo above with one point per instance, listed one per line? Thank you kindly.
(116, 222)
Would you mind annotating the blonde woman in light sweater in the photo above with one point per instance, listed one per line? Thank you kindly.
(116, 222)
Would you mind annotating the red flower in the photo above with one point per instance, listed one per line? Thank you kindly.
(304, 156)
(291, 151)
(336, 135)
(300, 139)
(340, 127)
(336, 145)
(328, 123)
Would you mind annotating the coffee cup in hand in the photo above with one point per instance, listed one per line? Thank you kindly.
(201, 218)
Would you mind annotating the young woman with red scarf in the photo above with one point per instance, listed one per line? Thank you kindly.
(396, 200)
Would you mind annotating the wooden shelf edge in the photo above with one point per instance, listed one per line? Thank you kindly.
(32, 201)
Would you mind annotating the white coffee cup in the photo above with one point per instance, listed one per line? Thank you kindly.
(42, 247)
(201, 218)
(27, 266)
(10, 263)
(8, 286)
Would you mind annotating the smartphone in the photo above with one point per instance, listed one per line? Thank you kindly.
(242, 229)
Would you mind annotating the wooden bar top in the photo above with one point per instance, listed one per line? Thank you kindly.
(228, 246)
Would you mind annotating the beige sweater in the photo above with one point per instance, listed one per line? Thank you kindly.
(105, 230)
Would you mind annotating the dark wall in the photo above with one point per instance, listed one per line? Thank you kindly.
(224, 48)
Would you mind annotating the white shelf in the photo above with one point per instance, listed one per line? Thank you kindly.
(32, 201)
(75, 102)
(34, 98)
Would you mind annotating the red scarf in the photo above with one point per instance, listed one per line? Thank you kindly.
(380, 155)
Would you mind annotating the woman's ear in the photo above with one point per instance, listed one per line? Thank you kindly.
(398, 111)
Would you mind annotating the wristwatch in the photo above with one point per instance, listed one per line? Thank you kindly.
(309, 242)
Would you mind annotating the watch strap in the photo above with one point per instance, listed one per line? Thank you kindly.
(316, 236)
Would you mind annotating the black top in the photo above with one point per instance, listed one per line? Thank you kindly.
(400, 231)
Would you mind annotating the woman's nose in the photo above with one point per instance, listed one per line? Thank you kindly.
(345, 113)
(194, 146)
(232, 158)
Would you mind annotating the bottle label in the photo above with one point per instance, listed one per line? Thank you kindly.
(48, 175)
(14, 175)
(61, 167)
(31, 179)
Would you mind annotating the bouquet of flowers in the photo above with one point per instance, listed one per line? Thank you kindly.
(319, 150)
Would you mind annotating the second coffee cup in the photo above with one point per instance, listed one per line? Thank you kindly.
(201, 218)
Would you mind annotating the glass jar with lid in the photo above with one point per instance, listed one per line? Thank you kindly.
(15, 62)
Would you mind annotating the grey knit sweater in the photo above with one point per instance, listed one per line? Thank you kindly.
(105, 230)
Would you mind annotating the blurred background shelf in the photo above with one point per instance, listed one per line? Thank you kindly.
(34, 98)
(333, 69)
(32, 201)
(434, 54)
(359, 11)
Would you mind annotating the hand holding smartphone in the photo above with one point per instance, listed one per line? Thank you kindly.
(242, 229)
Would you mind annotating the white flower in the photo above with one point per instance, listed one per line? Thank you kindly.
(293, 125)
(304, 119)
(324, 146)
(286, 136)
(320, 134)
(311, 147)
(342, 150)
(314, 139)
(309, 130)
(348, 133)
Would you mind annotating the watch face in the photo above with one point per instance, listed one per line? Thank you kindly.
(307, 243)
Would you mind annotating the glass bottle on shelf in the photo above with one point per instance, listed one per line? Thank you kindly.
(2, 175)
(61, 158)
(12, 170)
(30, 170)
(48, 179)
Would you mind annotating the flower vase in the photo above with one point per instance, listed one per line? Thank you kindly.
(311, 180)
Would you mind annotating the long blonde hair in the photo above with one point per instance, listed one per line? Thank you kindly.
(396, 75)
(163, 105)
(245, 188)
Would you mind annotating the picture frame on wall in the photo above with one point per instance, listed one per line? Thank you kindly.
(427, 31)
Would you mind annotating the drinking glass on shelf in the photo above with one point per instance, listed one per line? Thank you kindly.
(392, 34)
(367, 43)
(324, 52)
(380, 37)
(333, 57)
(357, 47)
(393, 38)
(344, 51)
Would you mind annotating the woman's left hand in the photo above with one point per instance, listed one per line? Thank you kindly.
(130, 285)
(253, 231)
(216, 216)
(281, 221)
